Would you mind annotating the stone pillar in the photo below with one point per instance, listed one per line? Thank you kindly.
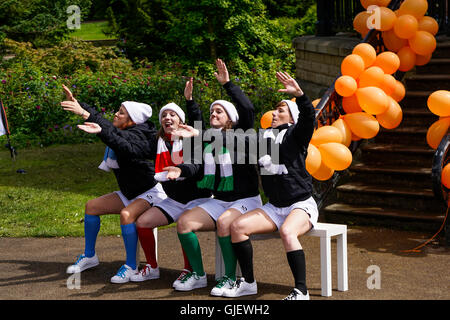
(318, 61)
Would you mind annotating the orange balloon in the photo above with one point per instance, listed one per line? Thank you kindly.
(323, 173)
(326, 134)
(406, 26)
(352, 65)
(399, 91)
(313, 159)
(423, 60)
(388, 84)
(393, 116)
(345, 86)
(383, 3)
(392, 42)
(439, 103)
(428, 24)
(388, 61)
(417, 8)
(367, 3)
(371, 77)
(422, 43)
(360, 23)
(266, 119)
(407, 59)
(351, 104)
(362, 124)
(336, 156)
(315, 102)
(355, 137)
(345, 131)
(367, 52)
(445, 177)
(372, 100)
(387, 19)
(437, 131)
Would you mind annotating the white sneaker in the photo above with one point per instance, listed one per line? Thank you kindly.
(180, 277)
(241, 288)
(223, 284)
(124, 274)
(297, 295)
(191, 281)
(147, 273)
(83, 263)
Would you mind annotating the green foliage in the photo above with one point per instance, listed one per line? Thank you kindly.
(30, 86)
(194, 31)
(41, 22)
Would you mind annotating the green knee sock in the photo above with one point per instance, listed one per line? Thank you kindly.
(229, 258)
(191, 246)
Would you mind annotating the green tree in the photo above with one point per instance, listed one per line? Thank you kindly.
(41, 22)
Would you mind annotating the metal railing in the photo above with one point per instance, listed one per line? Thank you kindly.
(337, 15)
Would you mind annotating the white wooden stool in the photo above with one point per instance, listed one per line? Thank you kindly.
(325, 231)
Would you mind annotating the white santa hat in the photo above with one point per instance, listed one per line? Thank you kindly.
(175, 108)
(229, 108)
(293, 108)
(138, 112)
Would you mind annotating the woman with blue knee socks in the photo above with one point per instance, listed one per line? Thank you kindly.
(130, 140)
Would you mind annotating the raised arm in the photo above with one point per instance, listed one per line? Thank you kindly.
(192, 108)
(304, 128)
(244, 106)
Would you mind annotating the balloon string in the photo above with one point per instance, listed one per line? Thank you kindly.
(416, 249)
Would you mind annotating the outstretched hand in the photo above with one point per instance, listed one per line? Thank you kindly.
(222, 73)
(90, 127)
(185, 131)
(188, 89)
(68, 93)
(290, 85)
(172, 172)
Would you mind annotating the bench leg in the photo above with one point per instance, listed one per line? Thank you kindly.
(155, 235)
(325, 265)
(342, 267)
(220, 265)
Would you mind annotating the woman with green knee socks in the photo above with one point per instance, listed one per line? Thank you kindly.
(234, 185)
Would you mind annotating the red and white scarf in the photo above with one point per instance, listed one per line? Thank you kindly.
(164, 158)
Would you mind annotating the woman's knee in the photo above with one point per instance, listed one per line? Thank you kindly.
(237, 227)
(288, 233)
(184, 224)
(224, 223)
(126, 216)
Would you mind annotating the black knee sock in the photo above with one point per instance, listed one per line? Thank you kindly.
(244, 255)
(297, 263)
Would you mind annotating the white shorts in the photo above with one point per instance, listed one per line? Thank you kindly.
(216, 207)
(153, 196)
(279, 215)
(174, 208)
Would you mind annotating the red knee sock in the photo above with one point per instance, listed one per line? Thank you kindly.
(147, 240)
(187, 265)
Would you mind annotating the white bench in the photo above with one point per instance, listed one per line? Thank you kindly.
(325, 231)
(322, 230)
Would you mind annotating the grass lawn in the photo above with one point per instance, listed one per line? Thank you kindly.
(49, 199)
(91, 31)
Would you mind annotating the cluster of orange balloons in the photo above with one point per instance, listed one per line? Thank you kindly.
(407, 31)
(439, 103)
(328, 150)
(370, 92)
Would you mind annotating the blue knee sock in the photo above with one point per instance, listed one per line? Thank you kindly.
(91, 229)
(130, 239)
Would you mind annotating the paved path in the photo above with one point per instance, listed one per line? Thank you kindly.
(34, 268)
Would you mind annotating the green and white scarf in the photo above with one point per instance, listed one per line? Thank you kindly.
(226, 170)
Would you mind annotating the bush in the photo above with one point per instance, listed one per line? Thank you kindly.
(30, 85)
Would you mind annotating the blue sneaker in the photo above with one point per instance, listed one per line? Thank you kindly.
(124, 274)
